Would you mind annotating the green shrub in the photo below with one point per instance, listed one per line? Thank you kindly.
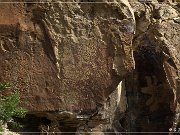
(9, 107)
(5, 86)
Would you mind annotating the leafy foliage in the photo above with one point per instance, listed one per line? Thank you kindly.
(5, 85)
(9, 107)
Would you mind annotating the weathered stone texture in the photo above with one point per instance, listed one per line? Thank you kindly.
(65, 56)
(67, 61)
(153, 85)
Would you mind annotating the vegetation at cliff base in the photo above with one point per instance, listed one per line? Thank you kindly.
(9, 107)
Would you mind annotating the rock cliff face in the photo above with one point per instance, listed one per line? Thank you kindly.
(93, 66)
(154, 101)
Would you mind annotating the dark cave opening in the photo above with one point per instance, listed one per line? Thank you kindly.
(40, 124)
(149, 104)
(30, 123)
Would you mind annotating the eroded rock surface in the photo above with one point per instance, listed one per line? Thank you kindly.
(152, 91)
(83, 66)
(66, 58)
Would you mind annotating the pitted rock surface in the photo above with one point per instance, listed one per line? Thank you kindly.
(94, 66)
(65, 56)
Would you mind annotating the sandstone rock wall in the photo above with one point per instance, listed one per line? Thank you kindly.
(152, 88)
(60, 54)
(67, 59)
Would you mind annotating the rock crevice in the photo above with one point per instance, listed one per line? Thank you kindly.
(94, 66)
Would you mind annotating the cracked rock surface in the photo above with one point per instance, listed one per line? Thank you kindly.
(93, 66)
(65, 58)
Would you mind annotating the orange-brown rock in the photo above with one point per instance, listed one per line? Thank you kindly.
(93, 66)
(65, 56)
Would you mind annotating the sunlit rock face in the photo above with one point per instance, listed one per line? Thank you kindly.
(65, 56)
(93, 66)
